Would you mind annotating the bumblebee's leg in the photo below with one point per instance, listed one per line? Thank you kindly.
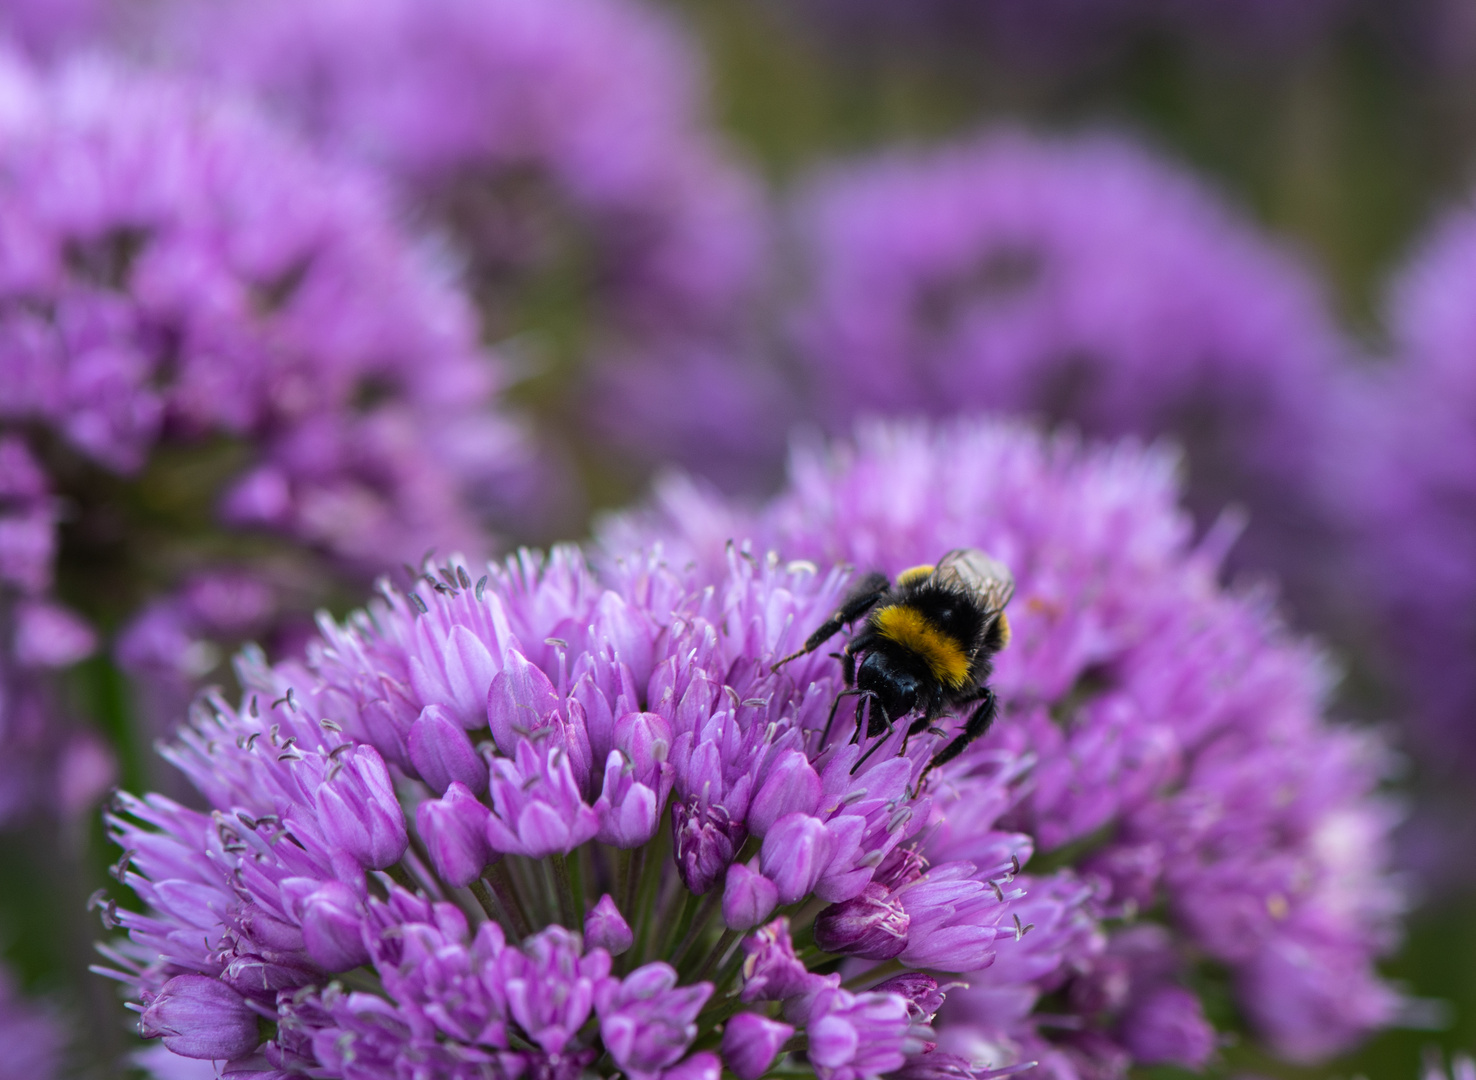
(830, 720)
(978, 724)
(921, 724)
(860, 600)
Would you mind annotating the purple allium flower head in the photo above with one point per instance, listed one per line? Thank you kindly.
(221, 356)
(1161, 741)
(478, 915)
(1085, 281)
(560, 140)
(1405, 469)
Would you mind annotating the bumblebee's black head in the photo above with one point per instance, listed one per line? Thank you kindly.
(896, 682)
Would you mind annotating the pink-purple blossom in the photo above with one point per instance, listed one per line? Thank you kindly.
(645, 787)
(550, 140)
(1085, 281)
(232, 384)
(1162, 748)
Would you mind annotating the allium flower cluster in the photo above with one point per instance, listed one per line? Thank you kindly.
(1408, 476)
(550, 823)
(553, 140)
(189, 302)
(1084, 281)
(1186, 799)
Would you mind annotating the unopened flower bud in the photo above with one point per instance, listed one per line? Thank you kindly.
(751, 1042)
(703, 1066)
(605, 928)
(792, 787)
(332, 928)
(360, 812)
(748, 898)
(200, 1017)
(706, 839)
(454, 828)
(872, 925)
(922, 993)
(795, 854)
(442, 753)
(1168, 1028)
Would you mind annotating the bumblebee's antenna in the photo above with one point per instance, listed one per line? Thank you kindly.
(792, 656)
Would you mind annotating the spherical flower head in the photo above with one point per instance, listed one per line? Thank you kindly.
(556, 141)
(190, 274)
(1178, 757)
(208, 331)
(1405, 474)
(1085, 281)
(551, 820)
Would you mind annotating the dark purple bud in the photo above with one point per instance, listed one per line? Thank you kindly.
(442, 753)
(795, 854)
(705, 838)
(792, 787)
(872, 925)
(922, 993)
(751, 1042)
(454, 828)
(200, 1017)
(258, 977)
(360, 812)
(605, 928)
(332, 928)
(748, 898)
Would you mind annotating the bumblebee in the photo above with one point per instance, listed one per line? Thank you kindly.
(927, 647)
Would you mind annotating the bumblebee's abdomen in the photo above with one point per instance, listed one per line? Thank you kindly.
(910, 628)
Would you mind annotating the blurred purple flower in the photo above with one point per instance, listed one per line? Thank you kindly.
(548, 138)
(1084, 281)
(33, 1038)
(196, 310)
(1170, 734)
(1406, 468)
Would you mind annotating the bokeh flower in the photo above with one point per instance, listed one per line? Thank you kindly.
(1187, 801)
(565, 151)
(1086, 282)
(632, 858)
(1406, 472)
(34, 1037)
(225, 372)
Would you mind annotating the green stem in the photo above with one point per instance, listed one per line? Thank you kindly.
(875, 975)
(564, 891)
(682, 924)
(696, 926)
(403, 877)
(719, 947)
(497, 877)
(495, 909)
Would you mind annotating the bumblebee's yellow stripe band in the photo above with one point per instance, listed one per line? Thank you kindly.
(915, 573)
(942, 652)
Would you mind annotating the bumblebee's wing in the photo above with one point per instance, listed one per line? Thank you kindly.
(977, 574)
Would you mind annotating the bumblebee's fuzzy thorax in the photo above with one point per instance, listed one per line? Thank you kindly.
(912, 628)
